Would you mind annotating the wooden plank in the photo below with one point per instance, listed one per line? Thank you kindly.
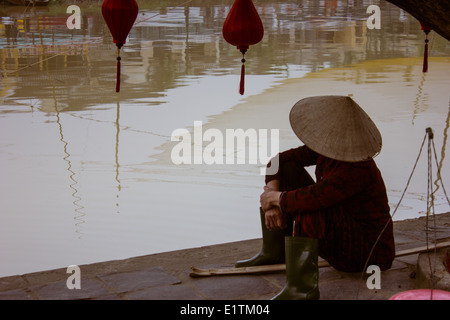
(421, 249)
(198, 272)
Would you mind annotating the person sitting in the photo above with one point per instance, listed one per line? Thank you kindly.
(343, 216)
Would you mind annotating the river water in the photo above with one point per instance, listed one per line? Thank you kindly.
(88, 175)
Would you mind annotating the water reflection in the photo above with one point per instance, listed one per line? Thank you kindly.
(116, 154)
(72, 176)
(111, 153)
(169, 44)
(444, 145)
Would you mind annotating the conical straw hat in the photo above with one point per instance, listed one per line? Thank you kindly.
(335, 127)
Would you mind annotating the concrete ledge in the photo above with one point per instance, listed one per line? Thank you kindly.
(165, 276)
(440, 276)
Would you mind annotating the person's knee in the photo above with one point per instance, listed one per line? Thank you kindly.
(293, 176)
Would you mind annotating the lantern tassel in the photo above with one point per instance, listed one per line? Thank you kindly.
(118, 69)
(426, 30)
(425, 57)
(242, 83)
(118, 75)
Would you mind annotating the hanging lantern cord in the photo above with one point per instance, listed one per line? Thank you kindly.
(242, 83)
(119, 45)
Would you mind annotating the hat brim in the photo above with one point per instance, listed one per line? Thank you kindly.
(336, 127)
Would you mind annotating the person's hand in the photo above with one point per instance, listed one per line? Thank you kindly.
(275, 219)
(270, 203)
(269, 198)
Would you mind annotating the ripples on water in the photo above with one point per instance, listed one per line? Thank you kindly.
(86, 175)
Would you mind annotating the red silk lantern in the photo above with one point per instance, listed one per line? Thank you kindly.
(119, 16)
(426, 30)
(242, 28)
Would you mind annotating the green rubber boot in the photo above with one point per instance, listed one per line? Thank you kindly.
(272, 251)
(302, 270)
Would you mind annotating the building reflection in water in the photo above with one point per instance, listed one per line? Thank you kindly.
(168, 45)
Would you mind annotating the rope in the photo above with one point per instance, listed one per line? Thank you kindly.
(430, 207)
(430, 200)
(157, 14)
(439, 163)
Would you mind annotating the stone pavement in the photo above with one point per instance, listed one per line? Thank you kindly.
(165, 276)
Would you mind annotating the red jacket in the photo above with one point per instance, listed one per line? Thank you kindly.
(356, 188)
